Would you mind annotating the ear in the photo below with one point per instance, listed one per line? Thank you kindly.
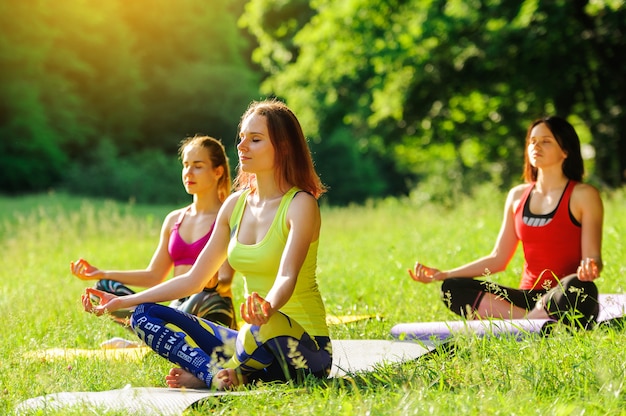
(219, 171)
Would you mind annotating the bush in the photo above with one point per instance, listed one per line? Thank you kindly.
(145, 177)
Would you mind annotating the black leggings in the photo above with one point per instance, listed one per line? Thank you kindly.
(207, 304)
(572, 301)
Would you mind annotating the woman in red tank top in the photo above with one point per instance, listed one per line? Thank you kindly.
(558, 219)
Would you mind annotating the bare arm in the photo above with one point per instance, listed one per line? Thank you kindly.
(496, 261)
(586, 206)
(157, 271)
(199, 276)
(225, 276)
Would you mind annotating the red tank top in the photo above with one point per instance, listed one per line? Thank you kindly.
(552, 249)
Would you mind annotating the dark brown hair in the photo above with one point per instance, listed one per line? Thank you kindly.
(566, 137)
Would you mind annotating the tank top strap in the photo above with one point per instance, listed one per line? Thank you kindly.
(568, 191)
(524, 199)
(235, 216)
(286, 200)
(181, 216)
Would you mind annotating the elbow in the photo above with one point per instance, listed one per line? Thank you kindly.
(188, 284)
(497, 264)
(197, 288)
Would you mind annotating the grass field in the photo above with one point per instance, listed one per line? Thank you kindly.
(364, 254)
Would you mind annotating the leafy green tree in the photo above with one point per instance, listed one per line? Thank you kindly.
(30, 152)
(192, 64)
(131, 77)
(439, 92)
(59, 86)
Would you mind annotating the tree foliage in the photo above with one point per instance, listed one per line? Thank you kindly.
(439, 93)
(129, 76)
(395, 95)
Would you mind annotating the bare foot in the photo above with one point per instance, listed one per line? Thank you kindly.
(178, 378)
(228, 379)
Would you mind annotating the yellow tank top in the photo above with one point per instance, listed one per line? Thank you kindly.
(258, 263)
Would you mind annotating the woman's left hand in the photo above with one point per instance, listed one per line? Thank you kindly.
(255, 310)
(588, 270)
(108, 302)
(424, 274)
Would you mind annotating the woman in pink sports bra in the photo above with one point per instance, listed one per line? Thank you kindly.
(184, 233)
(558, 219)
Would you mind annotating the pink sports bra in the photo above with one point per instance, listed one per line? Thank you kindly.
(182, 252)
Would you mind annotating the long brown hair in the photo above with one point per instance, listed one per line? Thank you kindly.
(292, 157)
(217, 155)
(566, 137)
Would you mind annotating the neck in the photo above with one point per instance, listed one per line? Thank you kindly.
(267, 188)
(548, 183)
(205, 204)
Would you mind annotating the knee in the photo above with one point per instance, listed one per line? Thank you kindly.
(279, 325)
(461, 295)
(574, 302)
(447, 284)
(141, 314)
(114, 287)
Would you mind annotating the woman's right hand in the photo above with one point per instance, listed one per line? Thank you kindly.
(85, 271)
(107, 302)
(424, 274)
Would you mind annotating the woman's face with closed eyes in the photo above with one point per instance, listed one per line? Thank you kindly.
(255, 148)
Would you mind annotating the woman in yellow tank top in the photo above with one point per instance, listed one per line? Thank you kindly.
(269, 231)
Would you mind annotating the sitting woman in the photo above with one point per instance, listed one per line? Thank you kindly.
(184, 233)
(269, 231)
(558, 220)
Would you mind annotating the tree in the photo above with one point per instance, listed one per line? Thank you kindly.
(440, 91)
(83, 81)
(192, 63)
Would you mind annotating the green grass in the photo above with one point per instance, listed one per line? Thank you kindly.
(364, 254)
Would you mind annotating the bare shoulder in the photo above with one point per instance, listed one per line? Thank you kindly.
(585, 190)
(514, 197)
(232, 198)
(229, 204)
(518, 190)
(173, 216)
(304, 196)
(304, 199)
(585, 194)
(515, 193)
(304, 214)
(303, 204)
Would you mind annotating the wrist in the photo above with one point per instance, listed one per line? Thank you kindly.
(126, 302)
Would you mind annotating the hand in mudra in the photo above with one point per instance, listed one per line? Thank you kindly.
(424, 274)
(107, 302)
(255, 310)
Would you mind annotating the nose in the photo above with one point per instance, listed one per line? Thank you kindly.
(242, 144)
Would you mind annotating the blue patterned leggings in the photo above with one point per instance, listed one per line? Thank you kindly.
(278, 350)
